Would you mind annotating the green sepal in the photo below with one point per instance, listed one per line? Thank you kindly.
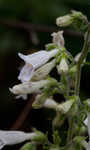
(40, 137)
(29, 146)
(79, 21)
(51, 46)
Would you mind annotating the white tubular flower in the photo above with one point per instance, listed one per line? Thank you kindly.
(43, 71)
(63, 66)
(14, 137)
(50, 103)
(29, 87)
(58, 38)
(64, 21)
(34, 61)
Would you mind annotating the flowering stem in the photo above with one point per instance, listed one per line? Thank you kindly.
(78, 76)
(79, 64)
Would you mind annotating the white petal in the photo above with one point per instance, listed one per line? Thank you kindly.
(26, 73)
(2, 144)
(64, 21)
(58, 38)
(50, 103)
(39, 58)
(24, 96)
(52, 53)
(14, 137)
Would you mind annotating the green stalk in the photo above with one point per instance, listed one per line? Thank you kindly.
(80, 62)
(77, 85)
(70, 131)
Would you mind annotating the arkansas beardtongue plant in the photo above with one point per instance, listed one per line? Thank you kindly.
(35, 77)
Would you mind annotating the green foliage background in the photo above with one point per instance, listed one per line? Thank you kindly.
(14, 40)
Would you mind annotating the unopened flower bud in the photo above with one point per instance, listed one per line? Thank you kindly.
(64, 21)
(76, 18)
(63, 66)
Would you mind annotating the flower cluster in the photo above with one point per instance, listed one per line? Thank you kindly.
(35, 77)
(34, 74)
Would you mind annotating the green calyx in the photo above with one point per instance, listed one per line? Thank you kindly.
(29, 146)
(40, 137)
(51, 46)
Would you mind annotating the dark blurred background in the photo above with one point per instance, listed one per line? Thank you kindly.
(25, 26)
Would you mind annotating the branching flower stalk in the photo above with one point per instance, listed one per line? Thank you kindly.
(38, 76)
